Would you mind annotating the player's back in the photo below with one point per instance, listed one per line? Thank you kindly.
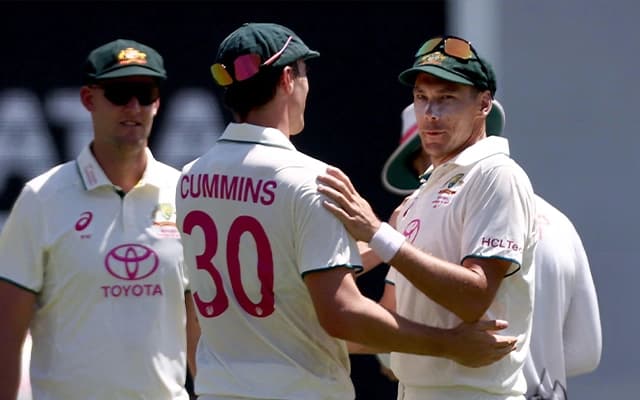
(566, 334)
(252, 225)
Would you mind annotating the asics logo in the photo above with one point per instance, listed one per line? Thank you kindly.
(84, 221)
(411, 230)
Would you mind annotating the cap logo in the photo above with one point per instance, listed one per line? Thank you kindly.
(131, 56)
(432, 58)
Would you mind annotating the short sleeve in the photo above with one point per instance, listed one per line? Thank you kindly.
(392, 276)
(22, 250)
(322, 241)
(499, 217)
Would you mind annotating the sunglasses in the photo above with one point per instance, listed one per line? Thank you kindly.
(450, 45)
(121, 93)
(244, 66)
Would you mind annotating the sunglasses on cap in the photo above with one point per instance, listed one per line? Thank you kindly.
(120, 93)
(244, 66)
(450, 45)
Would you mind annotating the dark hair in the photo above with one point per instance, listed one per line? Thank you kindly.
(241, 97)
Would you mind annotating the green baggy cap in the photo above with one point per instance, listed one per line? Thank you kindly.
(122, 58)
(474, 71)
(265, 40)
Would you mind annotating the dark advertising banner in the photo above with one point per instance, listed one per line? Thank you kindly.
(354, 105)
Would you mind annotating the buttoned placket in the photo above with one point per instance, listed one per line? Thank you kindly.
(128, 211)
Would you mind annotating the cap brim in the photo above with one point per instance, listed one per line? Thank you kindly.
(311, 54)
(131, 70)
(496, 119)
(408, 77)
(397, 175)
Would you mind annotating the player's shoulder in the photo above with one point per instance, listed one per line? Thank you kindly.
(500, 162)
(57, 178)
(501, 168)
(165, 169)
(552, 216)
(297, 160)
(189, 166)
(300, 169)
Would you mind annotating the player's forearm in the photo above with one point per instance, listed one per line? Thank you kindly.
(359, 348)
(193, 333)
(16, 311)
(453, 286)
(10, 372)
(376, 329)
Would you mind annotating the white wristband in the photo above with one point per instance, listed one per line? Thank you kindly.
(386, 242)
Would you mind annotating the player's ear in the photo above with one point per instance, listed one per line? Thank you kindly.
(156, 107)
(486, 102)
(87, 98)
(288, 79)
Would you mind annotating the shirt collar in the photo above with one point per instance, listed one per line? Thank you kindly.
(250, 133)
(482, 149)
(93, 175)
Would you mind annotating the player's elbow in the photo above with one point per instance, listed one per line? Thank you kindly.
(334, 324)
(342, 322)
(471, 302)
(471, 312)
(336, 330)
(584, 359)
(588, 362)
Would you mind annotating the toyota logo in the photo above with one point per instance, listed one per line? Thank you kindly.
(131, 262)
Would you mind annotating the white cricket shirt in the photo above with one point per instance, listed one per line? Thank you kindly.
(253, 224)
(107, 272)
(566, 339)
(479, 204)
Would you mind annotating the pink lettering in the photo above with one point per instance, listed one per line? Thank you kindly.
(184, 186)
(501, 243)
(136, 290)
(209, 190)
(269, 194)
(228, 187)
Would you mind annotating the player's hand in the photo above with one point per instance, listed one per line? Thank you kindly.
(347, 204)
(476, 344)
